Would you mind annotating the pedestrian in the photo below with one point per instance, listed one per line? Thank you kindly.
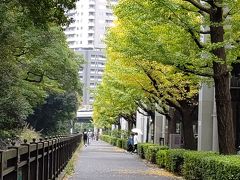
(89, 136)
(135, 142)
(85, 137)
(130, 143)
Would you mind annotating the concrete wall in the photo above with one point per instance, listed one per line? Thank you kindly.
(141, 123)
(207, 121)
(160, 128)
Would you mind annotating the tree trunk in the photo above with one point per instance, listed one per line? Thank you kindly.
(172, 121)
(130, 125)
(148, 126)
(152, 115)
(222, 89)
(187, 122)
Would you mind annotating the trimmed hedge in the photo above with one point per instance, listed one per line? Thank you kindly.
(142, 149)
(161, 158)
(121, 143)
(174, 160)
(221, 167)
(193, 165)
(209, 165)
(151, 152)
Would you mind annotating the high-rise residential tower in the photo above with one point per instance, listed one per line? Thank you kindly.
(86, 34)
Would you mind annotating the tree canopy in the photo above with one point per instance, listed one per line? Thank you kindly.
(35, 58)
(200, 38)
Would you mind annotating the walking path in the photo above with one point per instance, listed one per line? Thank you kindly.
(101, 161)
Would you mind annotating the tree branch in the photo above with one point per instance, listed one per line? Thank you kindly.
(187, 70)
(196, 39)
(199, 6)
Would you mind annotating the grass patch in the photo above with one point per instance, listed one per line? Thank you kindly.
(69, 169)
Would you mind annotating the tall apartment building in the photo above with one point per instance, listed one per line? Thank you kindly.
(86, 34)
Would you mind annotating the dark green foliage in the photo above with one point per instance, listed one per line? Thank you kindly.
(42, 12)
(35, 59)
(53, 117)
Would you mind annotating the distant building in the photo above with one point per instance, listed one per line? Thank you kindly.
(86, 34)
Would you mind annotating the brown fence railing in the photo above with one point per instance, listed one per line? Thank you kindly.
(43, 160)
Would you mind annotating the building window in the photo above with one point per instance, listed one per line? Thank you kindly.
(90, 34)
(90, 42)
(109, 21)
(109, 14)
(90, 27)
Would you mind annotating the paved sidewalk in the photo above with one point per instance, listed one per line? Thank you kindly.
(101, 161)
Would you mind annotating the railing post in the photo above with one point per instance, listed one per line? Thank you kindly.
(18, 172)
(2, 164)
(43, 157)
(54, 157)
(52, 160)
(47, 160)
(28, 159)
(36, 160)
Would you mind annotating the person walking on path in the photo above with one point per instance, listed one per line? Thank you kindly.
(130, 143)
(85, 137)
(135, 142)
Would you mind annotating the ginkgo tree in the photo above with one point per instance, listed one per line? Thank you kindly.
(112, 101)
(197, 37)
(150, 86)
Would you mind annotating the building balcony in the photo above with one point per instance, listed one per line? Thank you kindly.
(91, 10)
(91, 24)
(91, 17)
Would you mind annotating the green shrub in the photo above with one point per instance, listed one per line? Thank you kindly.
(175, 160)
(151, 151)
(113, 141)
(29, 133)
(161, 158)
(119, 142)
(142, 148)
(221, 167)
(193, 164)
(124, 144)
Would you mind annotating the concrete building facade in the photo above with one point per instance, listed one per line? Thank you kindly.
(86, 33)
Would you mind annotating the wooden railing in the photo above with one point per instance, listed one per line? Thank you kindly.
(42, 160)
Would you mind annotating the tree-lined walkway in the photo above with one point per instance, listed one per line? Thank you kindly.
(101, 161)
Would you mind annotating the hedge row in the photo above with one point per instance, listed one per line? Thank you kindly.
(192, 165)
(121, 143)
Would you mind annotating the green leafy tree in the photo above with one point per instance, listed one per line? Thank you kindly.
(55, 115)
(35, 58)
(150, 86)
(169, 32)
